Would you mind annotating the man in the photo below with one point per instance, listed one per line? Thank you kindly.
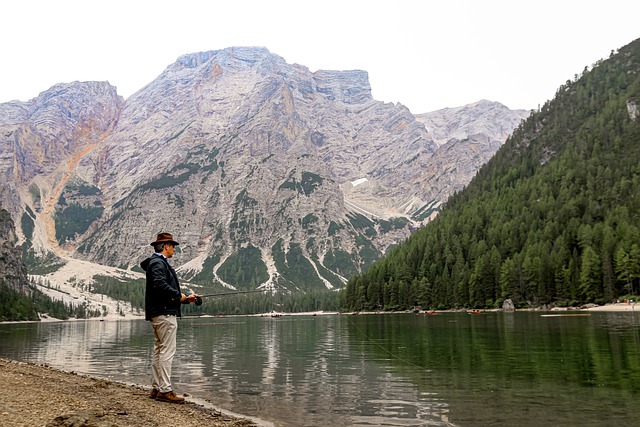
(162, 308)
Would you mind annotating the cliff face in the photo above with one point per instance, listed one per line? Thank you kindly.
(267, 174)
(12, 271)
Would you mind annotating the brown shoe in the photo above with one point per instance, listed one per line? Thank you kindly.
(153, 394)
(170, 397)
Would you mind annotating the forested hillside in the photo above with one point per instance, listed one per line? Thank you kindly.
(553, 218)
(19, 301)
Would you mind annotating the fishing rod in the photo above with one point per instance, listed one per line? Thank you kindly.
(198, 300)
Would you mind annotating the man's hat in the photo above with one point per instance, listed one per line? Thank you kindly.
(165, 238)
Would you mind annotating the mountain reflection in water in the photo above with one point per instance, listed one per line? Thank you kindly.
(389, 369)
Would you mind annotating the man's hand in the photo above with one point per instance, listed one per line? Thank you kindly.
(190, 298)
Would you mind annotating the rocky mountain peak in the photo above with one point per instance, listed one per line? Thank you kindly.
(484, 117)
(350, 87)
(271, 175)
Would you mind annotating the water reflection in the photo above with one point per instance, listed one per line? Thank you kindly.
(402, 370)
(300, 371)
(97, 348)
(292, 371)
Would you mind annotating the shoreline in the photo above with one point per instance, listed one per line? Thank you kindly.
(78, 399)
(612, 308)
(615, 307)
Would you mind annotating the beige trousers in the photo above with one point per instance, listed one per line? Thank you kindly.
(165, 329)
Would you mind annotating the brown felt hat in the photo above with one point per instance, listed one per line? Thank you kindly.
(165, 238)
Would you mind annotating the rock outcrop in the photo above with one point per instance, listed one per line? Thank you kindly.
(12, 271)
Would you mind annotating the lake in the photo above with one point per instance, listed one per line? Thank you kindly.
(507, 369)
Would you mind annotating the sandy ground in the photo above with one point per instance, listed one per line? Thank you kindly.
(37, 395)
(622, 306)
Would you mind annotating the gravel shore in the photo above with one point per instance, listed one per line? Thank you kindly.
(37, 395)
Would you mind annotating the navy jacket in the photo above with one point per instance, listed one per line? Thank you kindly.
(163, 293)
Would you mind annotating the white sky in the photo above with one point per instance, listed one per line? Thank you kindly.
(424, 54)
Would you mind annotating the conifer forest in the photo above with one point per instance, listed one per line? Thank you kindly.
(552, 219)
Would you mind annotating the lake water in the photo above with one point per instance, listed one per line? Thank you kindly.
(507, 369)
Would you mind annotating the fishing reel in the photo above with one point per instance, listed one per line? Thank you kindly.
(198, 299)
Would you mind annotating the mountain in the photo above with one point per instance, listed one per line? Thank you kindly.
(551, 219)
(268, 174)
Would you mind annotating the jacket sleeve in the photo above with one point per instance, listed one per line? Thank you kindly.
(160, 283)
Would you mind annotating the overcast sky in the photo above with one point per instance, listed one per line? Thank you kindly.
(424, 54)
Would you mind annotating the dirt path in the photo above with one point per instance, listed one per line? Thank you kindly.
(48, 207)
(35, 395)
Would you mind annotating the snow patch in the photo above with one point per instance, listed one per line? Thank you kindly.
(359, 181)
